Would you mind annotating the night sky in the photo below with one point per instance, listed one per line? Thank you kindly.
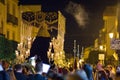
(84, 36)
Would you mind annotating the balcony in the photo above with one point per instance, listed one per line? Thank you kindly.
(2, 1)
(12, 19)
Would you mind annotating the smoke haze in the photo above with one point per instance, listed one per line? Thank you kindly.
(78, 12)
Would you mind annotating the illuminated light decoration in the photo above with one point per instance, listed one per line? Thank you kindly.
(111, 35)
(28, 16)
(46, 22)
(51, 18)
(101, 47)
(35, 18)
(23, 48)
(40, 16)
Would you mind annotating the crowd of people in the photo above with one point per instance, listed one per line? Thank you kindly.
(84, 72)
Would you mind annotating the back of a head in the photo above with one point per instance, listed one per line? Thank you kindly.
(73, 77)
(39, 67)
(81, 74)
(59, 77)
(18, 67)
(88, 69)
(102, 74)
(11, 75)
(50, 74)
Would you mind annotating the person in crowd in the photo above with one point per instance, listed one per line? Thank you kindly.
(5, 65)
(30, 74)
(112, 73)
(11, 73)
(25, 70)
(39, 70)
(65, 71)
(118, 71)
(71, 69)
(3, 74)
(18, 72)
(60, 70)
(28, 70)
(82, 74)
(99, 66)
(51, 75)
(69, 76)
(102, 75)
(59, 77)
(78, 75)
(89, 71)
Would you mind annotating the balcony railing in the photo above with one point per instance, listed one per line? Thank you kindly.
(2, 1)
(12, 19)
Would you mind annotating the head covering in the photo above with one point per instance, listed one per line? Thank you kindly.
(82, 74)
(88, 70)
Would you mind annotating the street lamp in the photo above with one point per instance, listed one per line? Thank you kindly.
(101, 47)
(111, 35)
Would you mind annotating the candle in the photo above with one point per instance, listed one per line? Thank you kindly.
(21, 45)
(48, 53)
(78, 51)
(17, 53)
(50, 44)
(27, 53)
(52, 55)
(74, 43)
(61, 53)
(18, 47)
(29, 44)
(49, 50)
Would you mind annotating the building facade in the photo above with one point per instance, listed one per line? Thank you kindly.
(2, 15)
(9, 14)
(9, 28)
(108, 33)
(111, 28)
(12, 28)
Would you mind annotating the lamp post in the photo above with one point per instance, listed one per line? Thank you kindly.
(74, 50)
(101, 47)
(78, 52)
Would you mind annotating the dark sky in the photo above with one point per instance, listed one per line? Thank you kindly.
(85, 37)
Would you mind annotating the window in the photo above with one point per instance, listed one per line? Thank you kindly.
(8, 34)
(8, 7)
(1, 27)
(0, 24)
(14, 9)
(13, 35)
(2, 1)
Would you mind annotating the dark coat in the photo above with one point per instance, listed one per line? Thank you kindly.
(39, 77)
(30, 77)
(4, 75)
(20, 76)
